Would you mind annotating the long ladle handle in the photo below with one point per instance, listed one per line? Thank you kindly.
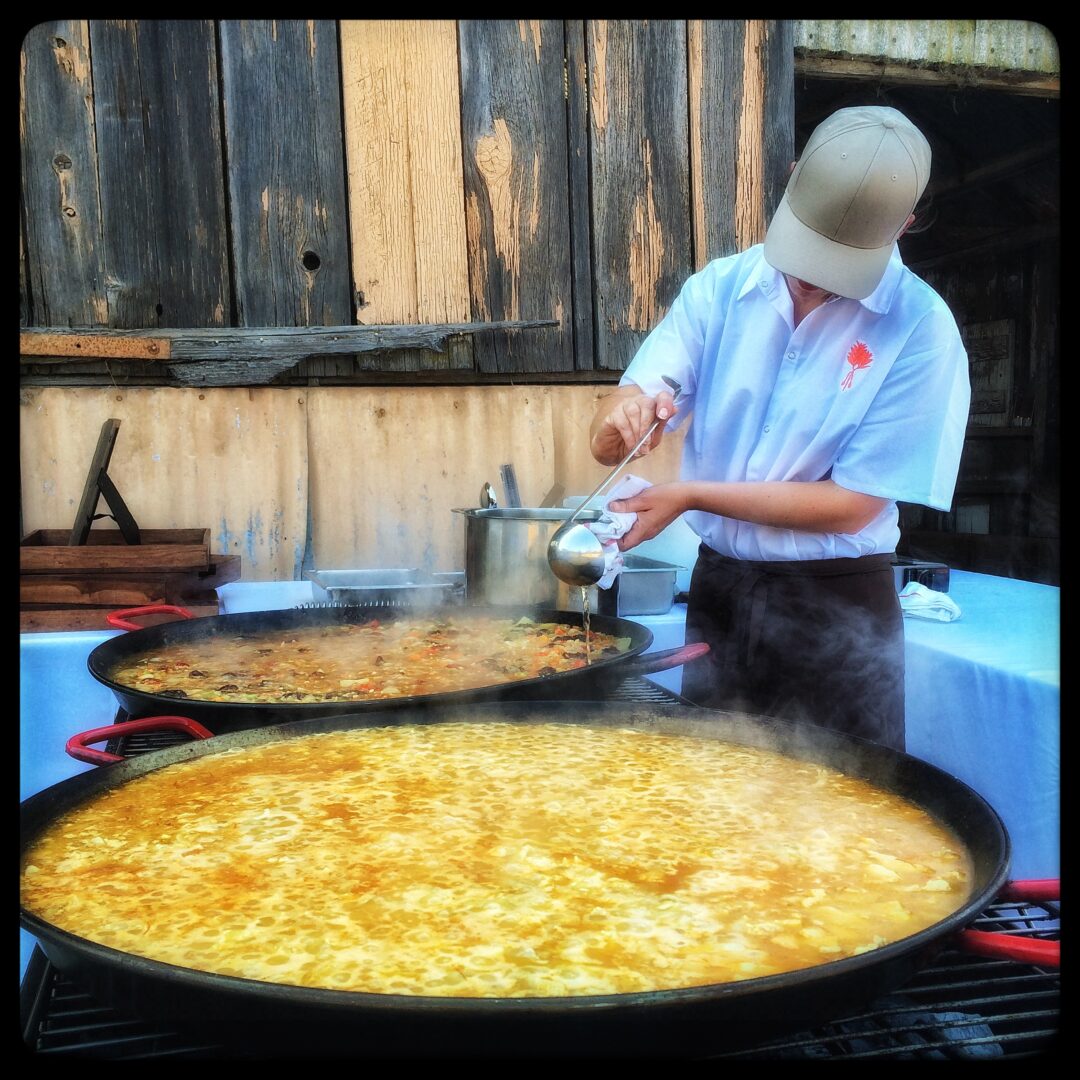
(618, 468)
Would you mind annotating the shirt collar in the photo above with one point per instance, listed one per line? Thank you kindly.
(768, 279)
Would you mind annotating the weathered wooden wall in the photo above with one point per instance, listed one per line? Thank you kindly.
(205, 173)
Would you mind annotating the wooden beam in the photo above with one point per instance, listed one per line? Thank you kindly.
(280, 343)
(1037, 84)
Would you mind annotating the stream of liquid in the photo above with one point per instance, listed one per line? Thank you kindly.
(585, 623)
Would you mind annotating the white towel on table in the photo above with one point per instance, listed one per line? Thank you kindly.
(611, 526)
(926, 603)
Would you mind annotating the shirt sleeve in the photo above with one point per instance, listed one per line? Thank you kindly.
(674, 346)
(909, 444)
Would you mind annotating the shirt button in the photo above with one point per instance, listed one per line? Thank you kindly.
(766, 429)
(764, 284)
(791, 356)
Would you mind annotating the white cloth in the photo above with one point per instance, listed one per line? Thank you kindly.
(924, 603)
(611, 526)
(873, 393)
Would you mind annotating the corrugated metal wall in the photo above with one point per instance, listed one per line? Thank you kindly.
(1000, 44)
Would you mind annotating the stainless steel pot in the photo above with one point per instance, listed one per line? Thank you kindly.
(506, 556)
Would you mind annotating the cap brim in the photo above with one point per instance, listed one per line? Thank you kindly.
(793, 248)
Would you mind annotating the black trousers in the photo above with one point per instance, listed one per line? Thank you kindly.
(818, 642)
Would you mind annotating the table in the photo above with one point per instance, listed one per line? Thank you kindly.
(983, 703)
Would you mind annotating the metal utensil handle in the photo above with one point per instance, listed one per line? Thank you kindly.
(618, 468)
(614, 472)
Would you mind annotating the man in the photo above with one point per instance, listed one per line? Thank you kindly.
(825, 382)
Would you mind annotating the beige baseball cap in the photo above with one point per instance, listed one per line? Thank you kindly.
(848, 199)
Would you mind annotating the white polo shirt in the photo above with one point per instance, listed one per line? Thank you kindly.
(873, 393)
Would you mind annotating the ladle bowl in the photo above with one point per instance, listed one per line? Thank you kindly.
(576, 556)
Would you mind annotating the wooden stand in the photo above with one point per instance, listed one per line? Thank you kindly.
(72, 579)
(97, 485)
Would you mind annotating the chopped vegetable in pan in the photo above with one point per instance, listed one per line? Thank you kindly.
(399, 657)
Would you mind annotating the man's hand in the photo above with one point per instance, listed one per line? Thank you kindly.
(622, 417)
(656, 508)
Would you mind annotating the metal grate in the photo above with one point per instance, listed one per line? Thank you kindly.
(960, 1008)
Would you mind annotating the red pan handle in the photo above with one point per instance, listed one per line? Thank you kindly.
(647, 663)
(119, 618)
(77, 745)
(1026, 950)
(1033, 890)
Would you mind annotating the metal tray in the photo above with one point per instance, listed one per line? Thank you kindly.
(644, 587)
(383, 588)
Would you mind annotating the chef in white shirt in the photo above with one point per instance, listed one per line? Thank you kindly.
(824, 382)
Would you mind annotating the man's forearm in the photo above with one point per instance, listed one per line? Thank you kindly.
(818, 506)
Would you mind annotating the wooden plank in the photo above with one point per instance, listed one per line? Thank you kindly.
(513, 121)
(778, 121)
(742, 123)
(641, 226)
(286, 195)
(252, 342)
(580, 183)
(54, 620)
(25, 317)
(66, 278)
(106, 537)
(156, 108)
(401, 97)
(991, 349)
(715, 49)
(48, 551)
(950, 76)
(125, 589)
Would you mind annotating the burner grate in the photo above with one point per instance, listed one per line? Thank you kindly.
(961, 1007)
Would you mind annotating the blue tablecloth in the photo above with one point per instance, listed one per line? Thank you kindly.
(983, 703)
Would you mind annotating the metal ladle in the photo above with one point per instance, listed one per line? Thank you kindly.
(574, 553)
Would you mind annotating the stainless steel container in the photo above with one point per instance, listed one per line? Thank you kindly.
(644, 587)
(933, 575)
(506, 555)
(381, 588)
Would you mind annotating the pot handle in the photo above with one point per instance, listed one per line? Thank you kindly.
(647, 663)
(77, 745)
(119, 620)
(1025, 950)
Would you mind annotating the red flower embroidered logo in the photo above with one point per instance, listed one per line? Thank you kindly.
(859, 357)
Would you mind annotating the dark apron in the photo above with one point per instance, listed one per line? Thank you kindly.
(818, 641)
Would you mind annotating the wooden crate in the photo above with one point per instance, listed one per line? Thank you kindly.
(47, 551)
(66, 587)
